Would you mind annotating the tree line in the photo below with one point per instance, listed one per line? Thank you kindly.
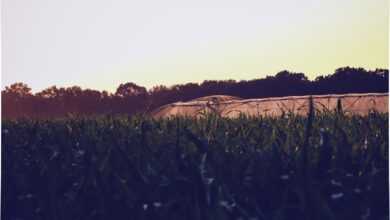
(130, 98)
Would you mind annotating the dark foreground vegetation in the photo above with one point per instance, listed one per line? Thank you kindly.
(129, 98)
(327, 166)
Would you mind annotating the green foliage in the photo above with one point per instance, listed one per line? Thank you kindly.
(327, 166)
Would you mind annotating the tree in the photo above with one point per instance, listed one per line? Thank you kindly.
(50, 92)
(130, 89)
(74, 91)
(130, 98)
(286, 75)
(18, 89)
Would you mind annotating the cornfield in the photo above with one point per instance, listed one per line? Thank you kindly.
(323, 166)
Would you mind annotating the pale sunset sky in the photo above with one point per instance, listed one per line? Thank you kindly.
(99, 44)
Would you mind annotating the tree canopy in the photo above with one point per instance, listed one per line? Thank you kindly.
(130, 98)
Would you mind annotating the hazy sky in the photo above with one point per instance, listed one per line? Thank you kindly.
(100, 44)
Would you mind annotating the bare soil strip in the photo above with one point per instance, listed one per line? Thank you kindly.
(228, 106)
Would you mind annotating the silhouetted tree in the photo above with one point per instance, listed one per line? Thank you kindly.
(130, 89)
(131, 98)
(18, 89)
(352, 80)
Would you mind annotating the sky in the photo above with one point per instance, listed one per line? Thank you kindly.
(99, 44)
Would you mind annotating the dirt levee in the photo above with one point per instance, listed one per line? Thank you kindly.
(228, 106)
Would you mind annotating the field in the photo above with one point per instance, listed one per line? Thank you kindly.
(320, 166)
